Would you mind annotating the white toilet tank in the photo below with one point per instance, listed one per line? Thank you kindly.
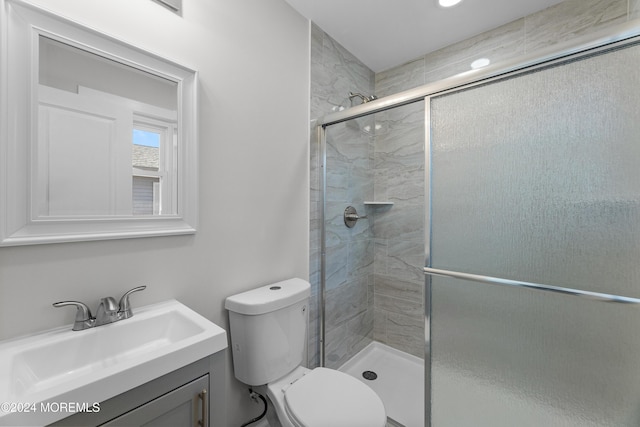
(268, 330)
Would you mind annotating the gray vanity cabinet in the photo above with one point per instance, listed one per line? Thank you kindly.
(185, 406)
(190, 396)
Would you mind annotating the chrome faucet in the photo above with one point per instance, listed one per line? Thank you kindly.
(108, 311)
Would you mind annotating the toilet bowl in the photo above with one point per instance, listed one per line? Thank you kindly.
(268, 338)
(323, 397)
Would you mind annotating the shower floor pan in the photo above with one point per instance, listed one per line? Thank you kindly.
(399, 381)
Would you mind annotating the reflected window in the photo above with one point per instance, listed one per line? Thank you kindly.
(146, 167)
(153, 158)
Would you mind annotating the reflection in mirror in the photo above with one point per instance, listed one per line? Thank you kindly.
(98, 137)
(146, 177)
(107, 136)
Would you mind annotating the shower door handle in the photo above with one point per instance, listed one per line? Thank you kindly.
(351, 216)
(596, 296)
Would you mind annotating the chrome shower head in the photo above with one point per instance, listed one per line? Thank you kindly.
(364, 98)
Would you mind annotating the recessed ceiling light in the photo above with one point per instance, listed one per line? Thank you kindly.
(479, 63)
(448, 3)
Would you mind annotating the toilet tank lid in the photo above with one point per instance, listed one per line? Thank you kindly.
(269, 298)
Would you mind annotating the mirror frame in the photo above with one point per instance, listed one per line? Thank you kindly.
(22, 24)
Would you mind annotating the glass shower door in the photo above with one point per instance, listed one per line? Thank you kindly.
(373, 270)
(535, 178)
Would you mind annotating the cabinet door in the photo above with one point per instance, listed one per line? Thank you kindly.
(184, 406)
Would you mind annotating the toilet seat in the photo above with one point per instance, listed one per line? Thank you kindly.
(328, 398)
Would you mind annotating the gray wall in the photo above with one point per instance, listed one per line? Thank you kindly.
(253, 62)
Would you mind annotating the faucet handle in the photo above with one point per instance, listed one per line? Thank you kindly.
(84, 319)
(124, 305)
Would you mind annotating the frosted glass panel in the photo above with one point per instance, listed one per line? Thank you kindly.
(537, 178)
(505, 357)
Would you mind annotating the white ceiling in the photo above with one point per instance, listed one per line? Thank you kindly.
(387, 33)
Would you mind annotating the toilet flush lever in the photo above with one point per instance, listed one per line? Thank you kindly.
(351, 216)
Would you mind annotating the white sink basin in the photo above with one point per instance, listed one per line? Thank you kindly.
(65, 366)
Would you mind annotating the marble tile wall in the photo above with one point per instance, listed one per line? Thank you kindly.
(387, 283)
(560, 23)
(399, 177)
(349, 285)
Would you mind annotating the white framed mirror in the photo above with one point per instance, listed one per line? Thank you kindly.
(99, 137)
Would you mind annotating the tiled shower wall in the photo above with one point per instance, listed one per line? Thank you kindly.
(349, 286)
(395, 241)
(560, 23)
(399, 230)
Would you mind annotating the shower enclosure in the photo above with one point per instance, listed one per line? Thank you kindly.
(516, 189)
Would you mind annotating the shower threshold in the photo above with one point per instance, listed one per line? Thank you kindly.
(399, 381)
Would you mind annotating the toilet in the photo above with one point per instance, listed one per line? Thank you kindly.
(268, 339)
